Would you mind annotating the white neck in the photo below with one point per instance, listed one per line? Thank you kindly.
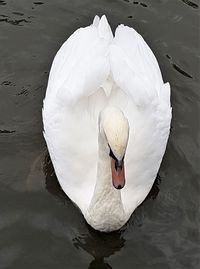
(105, 212)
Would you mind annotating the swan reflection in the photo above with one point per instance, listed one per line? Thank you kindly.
(97, 244)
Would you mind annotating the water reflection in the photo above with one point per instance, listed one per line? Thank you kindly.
(97, 244)
(52, 184)
(40, 226)
(100, 246)
(99, 264)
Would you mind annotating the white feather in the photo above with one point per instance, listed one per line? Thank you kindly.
(91, 71)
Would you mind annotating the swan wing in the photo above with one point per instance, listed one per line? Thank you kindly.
(135, 70)
(75, 95)
(134, 66)
(78, 70)
(81, 65)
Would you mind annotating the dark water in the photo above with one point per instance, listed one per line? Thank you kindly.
(39, 226)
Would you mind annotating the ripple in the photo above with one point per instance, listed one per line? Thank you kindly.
(178, 68)
(190, 3)
(14, 22)
(23, 92)
(143, 5)
(7, 83)
(177, 18)
(18, 13)
(2, 3)
(181, 71)
(140, 3)
(6, 132)
(38, 3)
(4, 16)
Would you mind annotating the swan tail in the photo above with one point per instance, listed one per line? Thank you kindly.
(104, 29)
(96, 21)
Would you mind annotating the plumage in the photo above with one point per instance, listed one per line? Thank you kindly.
(92, 71)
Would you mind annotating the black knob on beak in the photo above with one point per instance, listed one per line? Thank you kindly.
(118, 164)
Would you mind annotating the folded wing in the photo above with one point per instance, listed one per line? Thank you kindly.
(134, 66)
(81, 65)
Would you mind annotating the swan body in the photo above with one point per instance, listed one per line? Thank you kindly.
(106, 95)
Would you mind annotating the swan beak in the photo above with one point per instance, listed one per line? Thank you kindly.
(118, 174)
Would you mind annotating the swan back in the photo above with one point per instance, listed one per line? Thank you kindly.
(91, 71)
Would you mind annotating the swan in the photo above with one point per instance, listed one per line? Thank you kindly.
(106, 118)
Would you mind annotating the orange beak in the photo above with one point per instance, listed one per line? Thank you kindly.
(118, 174)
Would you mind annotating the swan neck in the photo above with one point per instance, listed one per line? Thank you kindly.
(105, 212)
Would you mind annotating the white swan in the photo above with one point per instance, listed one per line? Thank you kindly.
(106, 117)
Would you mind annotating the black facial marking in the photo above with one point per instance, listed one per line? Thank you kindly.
(111, 154)
(118, 164)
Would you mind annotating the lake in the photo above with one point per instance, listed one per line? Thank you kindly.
(39, 226)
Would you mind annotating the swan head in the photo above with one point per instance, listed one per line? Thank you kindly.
(115, 129)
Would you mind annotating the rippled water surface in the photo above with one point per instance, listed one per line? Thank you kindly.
(39, 226)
